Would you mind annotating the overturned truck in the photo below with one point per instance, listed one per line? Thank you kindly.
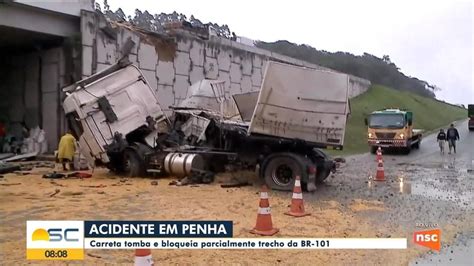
(279, 130)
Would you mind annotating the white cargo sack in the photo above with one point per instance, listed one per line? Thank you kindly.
(80, 162)
(34, 133)
(43, 144)
(29, 143)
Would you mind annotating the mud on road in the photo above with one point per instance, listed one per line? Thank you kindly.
(421, 189)
(424, 189)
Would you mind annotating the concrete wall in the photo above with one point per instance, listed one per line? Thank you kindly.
(171, 68)
(358, 86)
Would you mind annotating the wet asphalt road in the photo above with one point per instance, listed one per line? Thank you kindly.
(423, 190)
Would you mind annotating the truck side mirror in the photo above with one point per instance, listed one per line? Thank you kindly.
(366, 122)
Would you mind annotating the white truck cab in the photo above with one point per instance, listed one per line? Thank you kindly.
(116, 101)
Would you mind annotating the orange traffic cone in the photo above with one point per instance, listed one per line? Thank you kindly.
(379, 155)
(264, 224)
(380, 176)
(297, 206)
(143, 257)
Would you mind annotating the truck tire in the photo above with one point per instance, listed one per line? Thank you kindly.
(406, 150)
(280, 172)
(323, 173)
(417, 145)
(133, 164)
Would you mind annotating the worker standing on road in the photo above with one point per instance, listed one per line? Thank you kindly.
(441, 140)
(66, 150)
(452, 137)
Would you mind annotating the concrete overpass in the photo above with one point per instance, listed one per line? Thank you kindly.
(38, 57)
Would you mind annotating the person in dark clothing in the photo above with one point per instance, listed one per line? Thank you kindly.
(452, 135)
(441, 140)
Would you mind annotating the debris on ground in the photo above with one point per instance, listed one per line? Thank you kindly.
(55, 192)
(46, 157)
(56, 184)
(97, 186)
(8, 168)
(10, 184)
(154, 183)
(79, 175)
(6, 155)
(54, 175)
(198, 177)
(340, 160)
(236, 184)
(26, 168)
(21, 172)
(93, 255)
(72, 193)
(20, 157)
(184, 181)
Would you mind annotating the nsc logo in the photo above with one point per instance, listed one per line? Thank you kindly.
(55, 240)
(428, 238)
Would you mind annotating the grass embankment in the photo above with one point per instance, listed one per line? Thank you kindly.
(428, 114)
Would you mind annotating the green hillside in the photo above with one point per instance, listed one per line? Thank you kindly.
(428, 114)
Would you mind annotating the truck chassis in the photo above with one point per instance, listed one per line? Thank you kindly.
(278, 160)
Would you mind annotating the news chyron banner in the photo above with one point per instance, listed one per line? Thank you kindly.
(67, 240)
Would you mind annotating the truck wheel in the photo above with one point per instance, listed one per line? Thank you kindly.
(133, 165)
(323, 173)
(116, 163)
(406, 150)
(417, 145)
(280, 172)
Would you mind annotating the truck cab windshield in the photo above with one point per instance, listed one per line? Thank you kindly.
(387, 121)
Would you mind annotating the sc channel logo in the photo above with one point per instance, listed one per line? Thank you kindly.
(56, 234)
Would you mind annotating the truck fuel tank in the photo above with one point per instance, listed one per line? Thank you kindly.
(181, 164)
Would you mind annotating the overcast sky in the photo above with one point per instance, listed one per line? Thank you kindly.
(430, 40)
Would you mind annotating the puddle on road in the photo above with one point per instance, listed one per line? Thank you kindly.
(403, 186)
(462, 199)
(429, 183)
(431, 190)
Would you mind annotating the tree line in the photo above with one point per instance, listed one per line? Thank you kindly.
(157, 22)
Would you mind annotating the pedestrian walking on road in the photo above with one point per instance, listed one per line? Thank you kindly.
(66, 150)
(441, 140)
(452, 137)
